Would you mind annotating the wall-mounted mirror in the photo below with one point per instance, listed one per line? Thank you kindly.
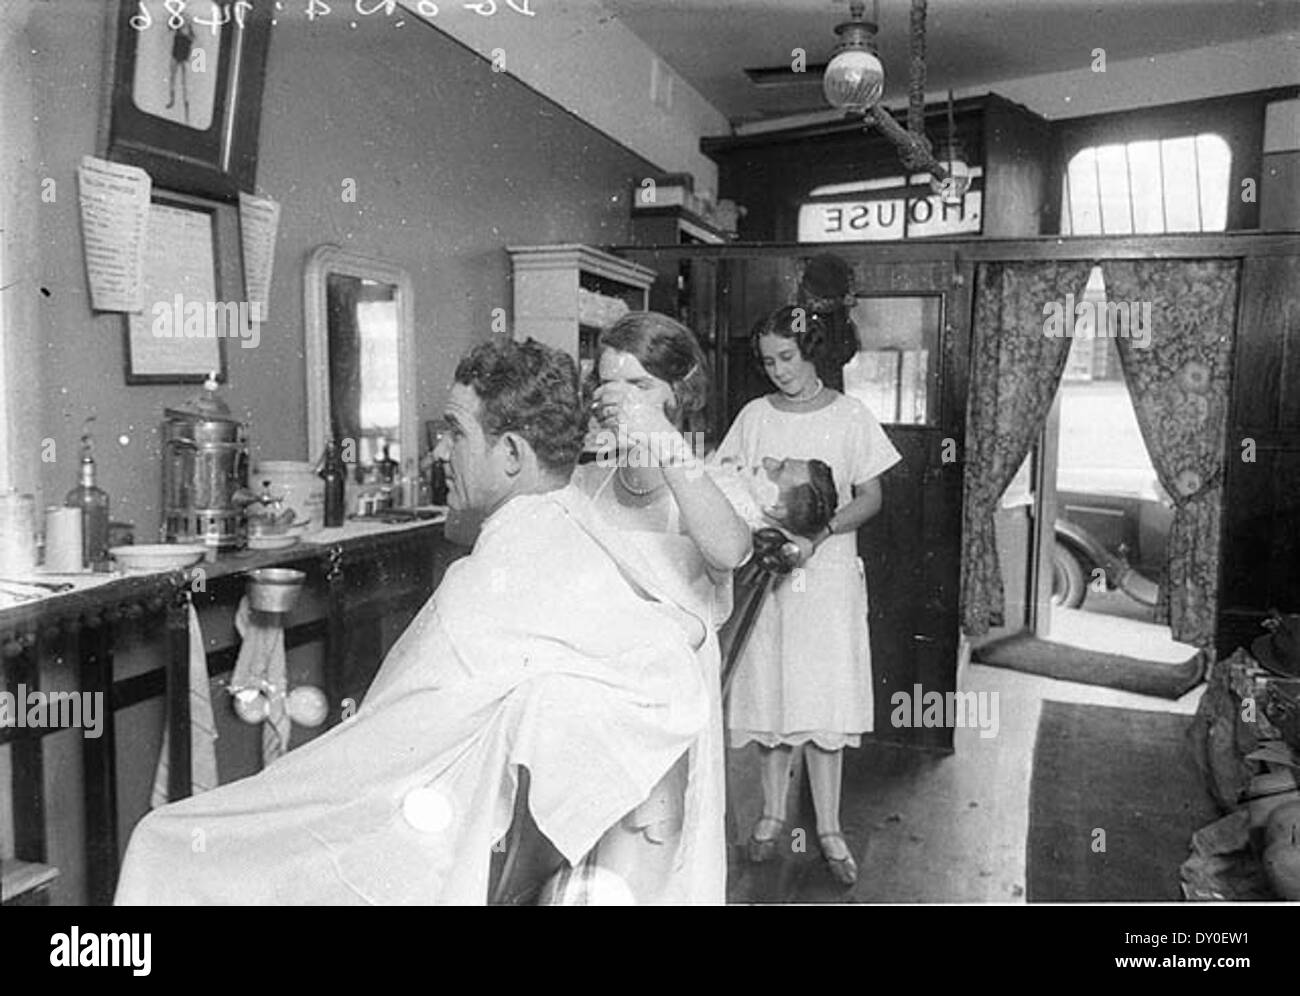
(360, 358)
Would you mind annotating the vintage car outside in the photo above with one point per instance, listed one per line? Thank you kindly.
(1112, 516)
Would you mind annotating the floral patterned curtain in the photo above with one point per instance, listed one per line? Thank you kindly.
(1015, 370)
(1179, 379)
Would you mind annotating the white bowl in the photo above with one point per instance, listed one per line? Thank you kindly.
(157, 556)
(273, 541)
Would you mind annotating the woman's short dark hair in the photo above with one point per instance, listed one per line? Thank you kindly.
(531, 389)
(668, 350)
(805, 327)
(810, 506)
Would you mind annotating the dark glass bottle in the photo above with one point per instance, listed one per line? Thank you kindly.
(438, 490)
(333, 474)
(93, 502)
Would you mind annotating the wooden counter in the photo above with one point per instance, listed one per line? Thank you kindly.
(363, 579)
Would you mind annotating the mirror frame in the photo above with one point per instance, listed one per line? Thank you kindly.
(323, 261)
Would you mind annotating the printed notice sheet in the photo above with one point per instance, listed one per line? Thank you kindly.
(259, 219)
(114, 213)
(170, 335)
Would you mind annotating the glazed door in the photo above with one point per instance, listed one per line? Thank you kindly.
(912, 549)
(913, 321)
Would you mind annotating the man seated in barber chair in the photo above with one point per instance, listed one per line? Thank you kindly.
(541, 658)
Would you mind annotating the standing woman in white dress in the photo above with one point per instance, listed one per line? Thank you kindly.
(805, 675)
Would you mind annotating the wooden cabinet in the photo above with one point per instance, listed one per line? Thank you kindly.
(773, 173)
(1261, 510)
(565, 294)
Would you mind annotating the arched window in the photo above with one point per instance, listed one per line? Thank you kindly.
(1169, 185)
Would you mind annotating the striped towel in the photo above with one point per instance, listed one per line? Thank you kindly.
(575, 886)
(203, 728)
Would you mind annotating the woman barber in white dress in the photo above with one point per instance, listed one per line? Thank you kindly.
(648, 484)
(805, 675)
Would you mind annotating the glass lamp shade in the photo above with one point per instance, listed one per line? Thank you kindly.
(854, 80)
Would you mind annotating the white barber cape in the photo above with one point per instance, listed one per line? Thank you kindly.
(535, 650)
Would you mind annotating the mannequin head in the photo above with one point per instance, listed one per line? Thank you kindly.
(798, 495)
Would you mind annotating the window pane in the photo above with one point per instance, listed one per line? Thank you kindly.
(1085, 213)
(1215, 161)
(1112, 171)
(1147, 186)
(1175, 185)
(1182, 199)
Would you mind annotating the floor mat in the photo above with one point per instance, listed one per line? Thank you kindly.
(1115, 797)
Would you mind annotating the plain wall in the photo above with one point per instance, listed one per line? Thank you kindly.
(451, 162)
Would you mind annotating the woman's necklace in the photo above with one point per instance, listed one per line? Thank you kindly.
(811, 398)
(639, 492)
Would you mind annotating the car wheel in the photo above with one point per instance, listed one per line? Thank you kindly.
(1069, 582)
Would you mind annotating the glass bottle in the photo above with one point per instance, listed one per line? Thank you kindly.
(408, 486)
(93, 503)
(333, 474)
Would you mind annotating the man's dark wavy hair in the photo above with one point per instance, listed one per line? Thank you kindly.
(810, 506)
(531, 389)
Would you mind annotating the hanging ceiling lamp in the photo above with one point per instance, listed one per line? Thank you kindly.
(854, 78)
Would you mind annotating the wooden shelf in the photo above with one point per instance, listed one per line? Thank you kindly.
(548, 286)
(674, 225)
(130, 595)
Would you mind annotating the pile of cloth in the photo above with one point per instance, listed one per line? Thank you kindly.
(1251, 763)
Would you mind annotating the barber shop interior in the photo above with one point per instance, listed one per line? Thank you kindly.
(435, 521)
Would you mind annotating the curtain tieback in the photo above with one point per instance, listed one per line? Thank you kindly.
(1189, 484)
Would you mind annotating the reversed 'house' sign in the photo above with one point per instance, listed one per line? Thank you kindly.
(888, 210)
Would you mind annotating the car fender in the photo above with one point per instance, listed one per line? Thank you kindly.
(1093, 553)
(1119, 573)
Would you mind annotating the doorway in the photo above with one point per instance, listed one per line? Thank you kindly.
(1087, 521)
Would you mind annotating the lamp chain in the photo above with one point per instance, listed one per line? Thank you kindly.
(916, 83)
(913, 147)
